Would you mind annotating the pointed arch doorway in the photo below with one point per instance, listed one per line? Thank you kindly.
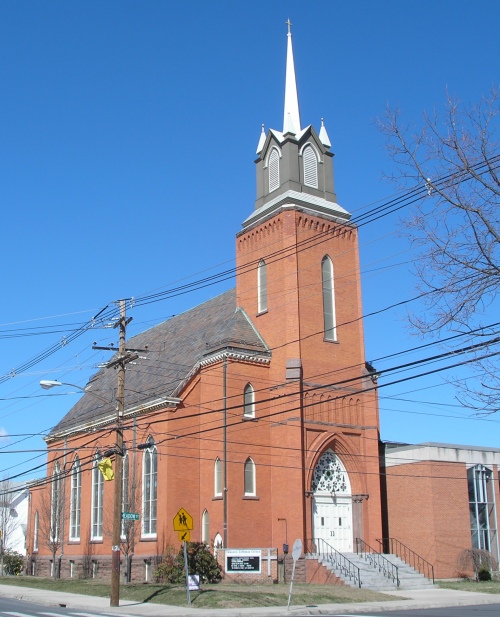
(332, 503)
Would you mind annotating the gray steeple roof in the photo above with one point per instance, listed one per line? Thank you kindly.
(175, 348)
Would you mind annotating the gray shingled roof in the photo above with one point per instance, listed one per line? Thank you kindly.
(174, 349)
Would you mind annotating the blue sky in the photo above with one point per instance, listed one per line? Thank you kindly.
(127, 139)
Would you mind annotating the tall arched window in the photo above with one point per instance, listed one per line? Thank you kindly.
(218, 477)
(35, 533)
(310, 167)
(149, 489)
(75, 500)
(262, 286)
(126, 505)
(249, 401)
(97, 500)
(56, 505)
(205, 527)
(249, 480)
(274, 170)
(328, 299)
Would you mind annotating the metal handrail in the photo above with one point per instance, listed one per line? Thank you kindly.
(377, 560)
(318, 546)
(408, 555)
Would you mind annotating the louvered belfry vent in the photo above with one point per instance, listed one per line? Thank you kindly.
(310, 167)
(274, 170)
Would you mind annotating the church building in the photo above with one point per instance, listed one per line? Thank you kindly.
(255, 412)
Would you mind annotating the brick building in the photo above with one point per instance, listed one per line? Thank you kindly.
(254, 411)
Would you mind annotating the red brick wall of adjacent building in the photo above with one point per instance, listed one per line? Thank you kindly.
(428, 510)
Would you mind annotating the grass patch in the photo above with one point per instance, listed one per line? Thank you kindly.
(212, 596)
(471, 585)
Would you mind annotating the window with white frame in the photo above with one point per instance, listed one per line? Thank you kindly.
(329, 318)
(125, 495)
(218, 477)
(310, 167)
(97, 500)
(249, 479)
(149, 489)
(482, 508)
(205, 527)
(262, 286)
(35, 533)
(75, 500)
(55, 505)
(274, 170)
(249, 402)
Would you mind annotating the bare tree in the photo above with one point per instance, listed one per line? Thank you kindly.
(52, 516)
(8, 522)
(453, 161)
(476, 559)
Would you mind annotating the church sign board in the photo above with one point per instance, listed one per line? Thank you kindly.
(243, 561)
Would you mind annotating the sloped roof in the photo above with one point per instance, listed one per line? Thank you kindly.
(175, 347)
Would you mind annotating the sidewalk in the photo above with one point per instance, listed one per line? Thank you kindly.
(419, 598)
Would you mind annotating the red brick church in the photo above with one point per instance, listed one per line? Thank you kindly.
(255, 411)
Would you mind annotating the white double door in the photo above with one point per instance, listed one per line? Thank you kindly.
(332, 521)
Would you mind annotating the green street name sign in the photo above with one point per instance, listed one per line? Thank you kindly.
(130, 516)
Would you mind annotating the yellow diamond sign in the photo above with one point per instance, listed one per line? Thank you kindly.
(183, 521)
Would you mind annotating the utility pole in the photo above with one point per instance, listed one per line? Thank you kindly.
(124, 357)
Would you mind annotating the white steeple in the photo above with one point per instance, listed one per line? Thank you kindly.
(291, 116)
(323, 135)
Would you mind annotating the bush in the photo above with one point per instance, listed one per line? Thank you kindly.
(13, 563)
(484, 575)
(200, 561)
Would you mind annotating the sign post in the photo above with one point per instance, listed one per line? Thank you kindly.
(296, 553)
(183, 524)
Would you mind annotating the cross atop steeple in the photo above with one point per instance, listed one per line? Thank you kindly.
(288, 23)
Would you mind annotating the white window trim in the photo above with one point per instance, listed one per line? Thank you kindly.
(218, 477)
(309, 148)
(252, 493)
(152, 453)
(331, 298)
(248, 409)
(262, 286)
(277, 181)
(75, 503)
(35, 533)
(97, 510)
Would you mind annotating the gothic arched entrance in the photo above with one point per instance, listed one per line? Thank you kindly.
(332, 503)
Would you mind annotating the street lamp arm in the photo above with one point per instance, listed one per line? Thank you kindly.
(47, 384)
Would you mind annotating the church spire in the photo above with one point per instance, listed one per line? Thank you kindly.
(291, 116)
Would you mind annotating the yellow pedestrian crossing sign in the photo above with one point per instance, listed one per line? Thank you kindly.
(184, 536)
(183, 521)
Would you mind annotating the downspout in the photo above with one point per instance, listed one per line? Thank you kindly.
(224, 437)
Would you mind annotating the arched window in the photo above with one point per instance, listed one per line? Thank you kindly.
(149, 489)
(35, 533)
(274, 170)
(310, 167)
(330, 476)
(249, 480)
(97, 499)
(56, 505)
(75, 500)
(262, 286)
(218, 477)
(328, 299)
(205, 527)
(249, 402)
(126, 505)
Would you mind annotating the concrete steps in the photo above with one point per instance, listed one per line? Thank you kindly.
(372, 576)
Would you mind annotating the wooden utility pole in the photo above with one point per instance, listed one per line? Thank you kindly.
(117, 502)
(124, 357)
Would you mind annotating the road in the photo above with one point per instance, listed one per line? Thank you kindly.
(10, 607)
(488, 610)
